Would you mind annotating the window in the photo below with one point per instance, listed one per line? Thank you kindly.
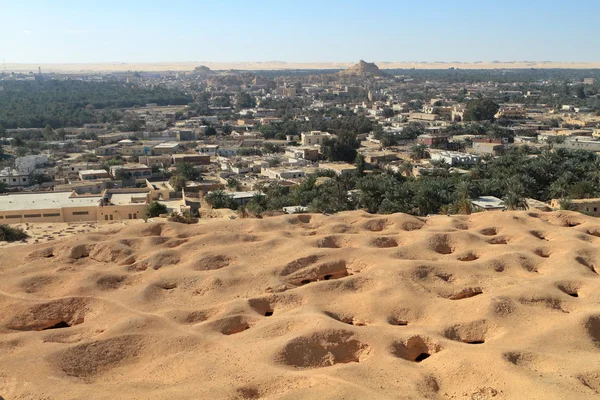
(52, 215)
(14, 179)
(80, 213)
(12, 216)
(595, 209)
(111, 217)
(32, 215)
(106, 217)
(130, 216)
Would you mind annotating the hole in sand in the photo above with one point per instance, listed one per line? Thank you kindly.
(468, 257)
(466, 293)
(397, 322)
(324, 349)
(544, 253)
(331, 242)
(498, 240)
(383, 242)
(52, 315)
(268, 313)
(539, 235)
(415, 348)
(346, 319)
(570, 288)
(211, 262)
(593, 232)
(586, 263)
(376, 225)
(323, 272)
(58, 325)
(593, 327)
(489, 231)
(474, 332)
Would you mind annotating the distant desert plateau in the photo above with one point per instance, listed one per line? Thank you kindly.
(496, 305)
(275, 65)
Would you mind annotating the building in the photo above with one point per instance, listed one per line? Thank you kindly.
(11, 177)
(586, 206)
(93, 174)
(454, 158)
(303, 153)
(338, 168)
(110, 205)
(162, 160)
(166, 148)
(434, 141)
(133, 170)
(282, 173)
(186, 135)
(579, 144)
(195, 159)
(488, 146)
(315, 138)
(589, 81)
(208, 149)
(487, 203)
(512, 111)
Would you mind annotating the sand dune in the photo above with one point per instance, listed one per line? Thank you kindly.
(277, 65)
(355, 306)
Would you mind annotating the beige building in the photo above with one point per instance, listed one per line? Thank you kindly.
(587, 206)
(110, 205)
(315, 138)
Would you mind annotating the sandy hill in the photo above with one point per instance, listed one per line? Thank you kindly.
(363, 69)
(354, 306)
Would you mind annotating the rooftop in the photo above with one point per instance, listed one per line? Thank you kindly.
(45, 200)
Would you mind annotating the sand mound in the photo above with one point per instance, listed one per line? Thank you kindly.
(486, 306)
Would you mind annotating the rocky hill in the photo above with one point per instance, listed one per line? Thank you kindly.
(363, 69)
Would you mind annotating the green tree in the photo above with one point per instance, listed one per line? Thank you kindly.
(177, 182)
(155, 209)
(220, 199)
(360, 165)
(481, 110)
(419, 151)
(387, 112)
(187, 171)
(244, 100)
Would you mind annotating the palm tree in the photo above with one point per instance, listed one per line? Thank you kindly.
(419, 151)
(514, 201)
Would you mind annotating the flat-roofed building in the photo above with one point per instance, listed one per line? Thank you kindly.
(315, 138)
(93, 174)
(195, 159)
(166, 148)
(134, 170)
(111, 205)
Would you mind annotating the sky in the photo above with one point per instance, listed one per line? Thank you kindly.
(86, 31)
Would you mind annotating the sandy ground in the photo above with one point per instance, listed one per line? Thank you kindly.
(351, 306)
(250, 66)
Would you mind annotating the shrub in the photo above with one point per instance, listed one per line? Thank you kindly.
(155, 208)
(184, 218)
(12, 234)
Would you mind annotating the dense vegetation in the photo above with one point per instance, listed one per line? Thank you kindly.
(35, 104)
(513, 177)
(11, 233)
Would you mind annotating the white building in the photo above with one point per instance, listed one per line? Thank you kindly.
(455, 158)
(26, 165)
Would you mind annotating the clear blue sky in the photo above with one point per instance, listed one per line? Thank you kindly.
(46, 31)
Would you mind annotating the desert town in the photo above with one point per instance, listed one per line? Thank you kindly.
(361, 233)
(244, 133)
